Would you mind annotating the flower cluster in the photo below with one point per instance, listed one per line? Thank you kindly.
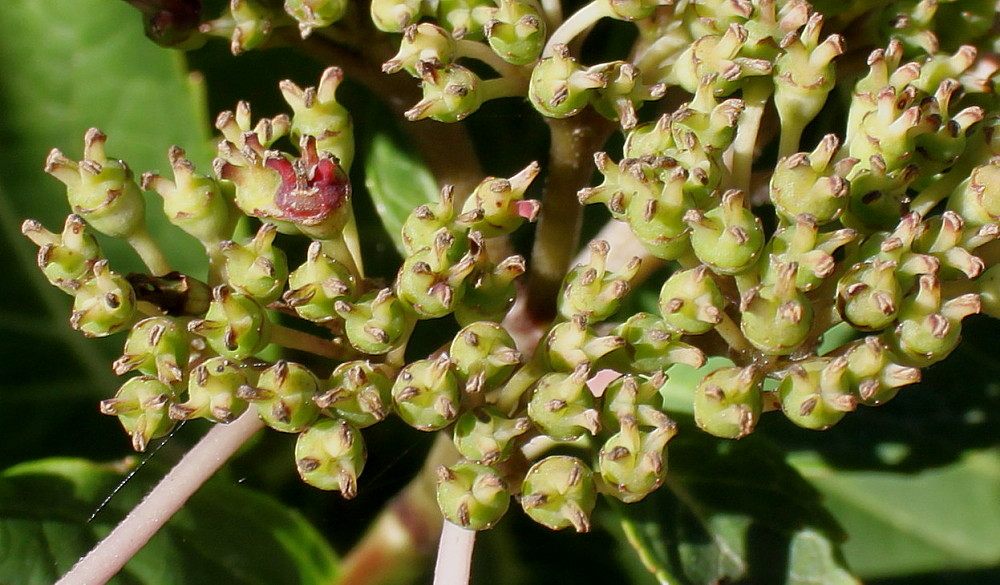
(774, 236)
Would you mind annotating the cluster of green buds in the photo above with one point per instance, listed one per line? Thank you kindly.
(777, 227)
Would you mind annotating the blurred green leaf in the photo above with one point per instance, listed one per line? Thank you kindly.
(396, 178)
(909, 523)
(732, 511)
(61, 72)
(225, 533)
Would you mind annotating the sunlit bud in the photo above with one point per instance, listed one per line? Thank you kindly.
(425, 223)
(330, 455)
(248, 24)
(156, 346)
(929, 329)
(657, 219)
(728, 402)
(425, 43)
(66, 258)
(317, 284)
(497, 206)
(728, 238)
(426, 394)
(559, 492)
(815, 393)
(235, 326)
(394, 16)
(430, 282)
(690, 301)
(516, 32)
(635, 400)
(465, 18)
(624, 93)
(284, 396)
(651, 346)
(212, 392)
(451, 93)
(776, 318)
(977, 199)
(717, 54)
(313, 14)
(490, 291)
(804, 74)
(878, 196)
(358, 392)
(874, 375)
(941, 236)
(633, 462)
(592, 290)
(811, 184)
(483, 355)
(486, 436)
(560, 87)
(104, 304)
(317, 113)
(375, 323)
(198, 204)
(563, 407)
(868, 296)
(257, 269)
(141, 406)
(101, 190)
(803, 244)
(471, 495)
(712, 122)
(572, 343)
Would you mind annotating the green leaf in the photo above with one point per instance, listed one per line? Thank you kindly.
(225, 533)
(732, 511)
(908, 523)
(396, 178)
(62, 71)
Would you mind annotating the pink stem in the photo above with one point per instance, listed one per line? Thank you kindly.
(454, 561)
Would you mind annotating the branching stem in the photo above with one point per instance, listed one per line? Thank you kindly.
(150, 253)
(574, 26)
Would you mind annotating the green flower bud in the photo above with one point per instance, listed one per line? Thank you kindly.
(330, 455)
(657, 220)
(873, 373)
(804, 245)
(425, 42)
(635, 401)
(235, 326)
(451, 93)
(430, 283)
(941, 236)
(471, 495)
(284, 396)
(559, 492)
(590, 289)
(104, 304)
(257, 269)
(486, 436)
(729, 238)
(629, 9)
(560, 87)
(977, 199)
(878, 195)
(804, 74)
(516, 32)
(425, 223)
(630, 178)
(651, 346)
(633, 462)
(393, 16)
(868, 296)
(562, 406)
(572, 344)
(317, 113)
(358, 392)
(198, 204)
(809, 184)
(141, 407)
(313, 14)
(156, 346)
(490, 291)
(728, 402)
(691, 302)
(681, 147)
(484, 356)
(248, 24)
(374, 324)
(715, 54)
(928, 330)
(426, 394)
(815, 394)
(213, 392)
(624, 92)
(101, 190)
(66, 258)
(712, 123)
(246, 139)
(776, 318)
(465, 18)
(316, 285)
(175, 294)
(497, 206)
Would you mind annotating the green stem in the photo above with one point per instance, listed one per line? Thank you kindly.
(307, 342)
(557, 234)
(150, 253)
(483, 52)
(756, 93)
(575, 25)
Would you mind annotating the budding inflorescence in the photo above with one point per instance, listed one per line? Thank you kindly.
(783, 196)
